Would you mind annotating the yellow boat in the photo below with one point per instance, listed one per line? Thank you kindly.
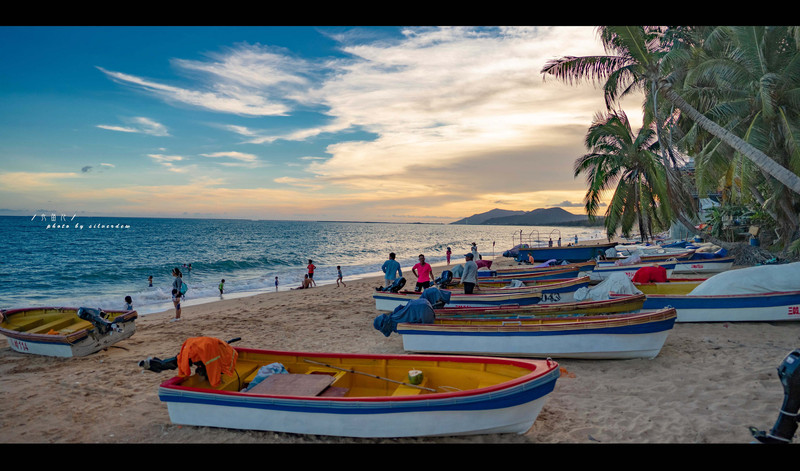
(65, 331)
(670, 287)
(360, 395)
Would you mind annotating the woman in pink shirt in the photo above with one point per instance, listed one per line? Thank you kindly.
(424, 273)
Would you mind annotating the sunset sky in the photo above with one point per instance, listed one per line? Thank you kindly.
(416, 124)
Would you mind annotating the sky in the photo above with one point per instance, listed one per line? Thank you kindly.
(400, 124)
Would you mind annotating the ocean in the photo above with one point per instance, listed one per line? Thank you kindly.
(79, 261)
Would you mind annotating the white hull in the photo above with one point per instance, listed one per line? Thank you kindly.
(91, 344)
(595, 346)
(515, 419)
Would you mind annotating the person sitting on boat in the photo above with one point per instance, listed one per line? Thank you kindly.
(470, 276)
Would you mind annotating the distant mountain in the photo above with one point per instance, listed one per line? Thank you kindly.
(491, 214)
(537, 217)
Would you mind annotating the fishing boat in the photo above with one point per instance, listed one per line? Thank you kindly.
(621, 304)
(540, 269)
(65, 331)
(672, 286)
(366, 395)
(620, 336)
(554, 292)
(604, 269)
(704, 265)
(560, 273)
(570, 253)
(763, 293)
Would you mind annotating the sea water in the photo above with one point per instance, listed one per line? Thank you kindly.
(79, 261)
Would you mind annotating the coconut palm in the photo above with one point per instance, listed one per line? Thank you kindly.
(748, 79)
(620, 158)
(639, 62)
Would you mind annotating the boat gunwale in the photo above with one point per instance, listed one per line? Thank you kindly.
(549, 367)
(713, 296)
(492, 296)
(589, 322)
(557, 307)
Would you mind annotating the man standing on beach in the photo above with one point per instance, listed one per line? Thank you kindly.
(424, 273)
(391, 271)
(470, 276)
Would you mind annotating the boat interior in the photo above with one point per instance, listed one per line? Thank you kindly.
(49, 321)
(357, 377)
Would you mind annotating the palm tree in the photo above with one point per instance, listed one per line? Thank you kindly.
(639, 61)
(629, 161)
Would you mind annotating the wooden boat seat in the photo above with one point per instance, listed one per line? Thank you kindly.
(404, 390)
(293, 384)
(24, 324)
(234, 382)
(54, 325)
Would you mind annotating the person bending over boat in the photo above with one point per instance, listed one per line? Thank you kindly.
(391, 271)
(424, 273)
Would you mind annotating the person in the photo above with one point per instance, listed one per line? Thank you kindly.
(391, 271)
(221, 286)
(176, 293)
(559, 241)
(128, 303)
(470, 276)
(305, 284)
(339, 279)
(448, 255)
(424, 273)
(150, 280)
(475, 255)
(276, 283)
(530, 258)
(576, 239)
(311, 268)
(550, 242)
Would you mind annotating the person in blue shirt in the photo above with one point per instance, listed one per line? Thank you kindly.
(391, 271)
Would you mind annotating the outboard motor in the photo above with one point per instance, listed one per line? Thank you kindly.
(786, 425)
(98, 319)
(397, 285)
(445, 279)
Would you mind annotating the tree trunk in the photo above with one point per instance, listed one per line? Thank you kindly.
(760, 159)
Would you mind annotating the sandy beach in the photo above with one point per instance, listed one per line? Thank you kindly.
(709, 383)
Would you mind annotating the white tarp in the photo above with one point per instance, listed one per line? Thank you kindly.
(616, 282)
(760, 279)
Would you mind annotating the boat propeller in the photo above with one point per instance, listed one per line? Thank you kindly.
(786, 425)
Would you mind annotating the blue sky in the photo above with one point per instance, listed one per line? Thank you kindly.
(416, 124)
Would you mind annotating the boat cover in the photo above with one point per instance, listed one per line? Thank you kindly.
(417, 311)
(752, 280)
(657, 274)
(616, 282)
(218, 357)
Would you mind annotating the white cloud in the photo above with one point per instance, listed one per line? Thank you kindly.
(139, 125)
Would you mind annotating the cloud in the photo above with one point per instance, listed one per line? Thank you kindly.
(168, 162)
(139, 125)
(250, 80)
(244, 160)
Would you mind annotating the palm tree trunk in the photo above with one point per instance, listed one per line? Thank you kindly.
(758, 158)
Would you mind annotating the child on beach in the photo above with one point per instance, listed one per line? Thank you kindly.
(305, 284)
(448, 255)
(311, 268)
(221, 286)
(339, 271)
(276, 283)
(128, 303)
(150, 280)
(176, 292)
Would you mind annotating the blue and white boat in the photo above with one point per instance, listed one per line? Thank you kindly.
(756, 294)
(559, 292)
(570, 253)
(621, 336)
(605, 269)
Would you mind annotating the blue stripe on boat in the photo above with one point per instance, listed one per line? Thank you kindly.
(643, 328)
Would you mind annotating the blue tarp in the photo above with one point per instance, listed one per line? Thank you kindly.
(418, 311)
